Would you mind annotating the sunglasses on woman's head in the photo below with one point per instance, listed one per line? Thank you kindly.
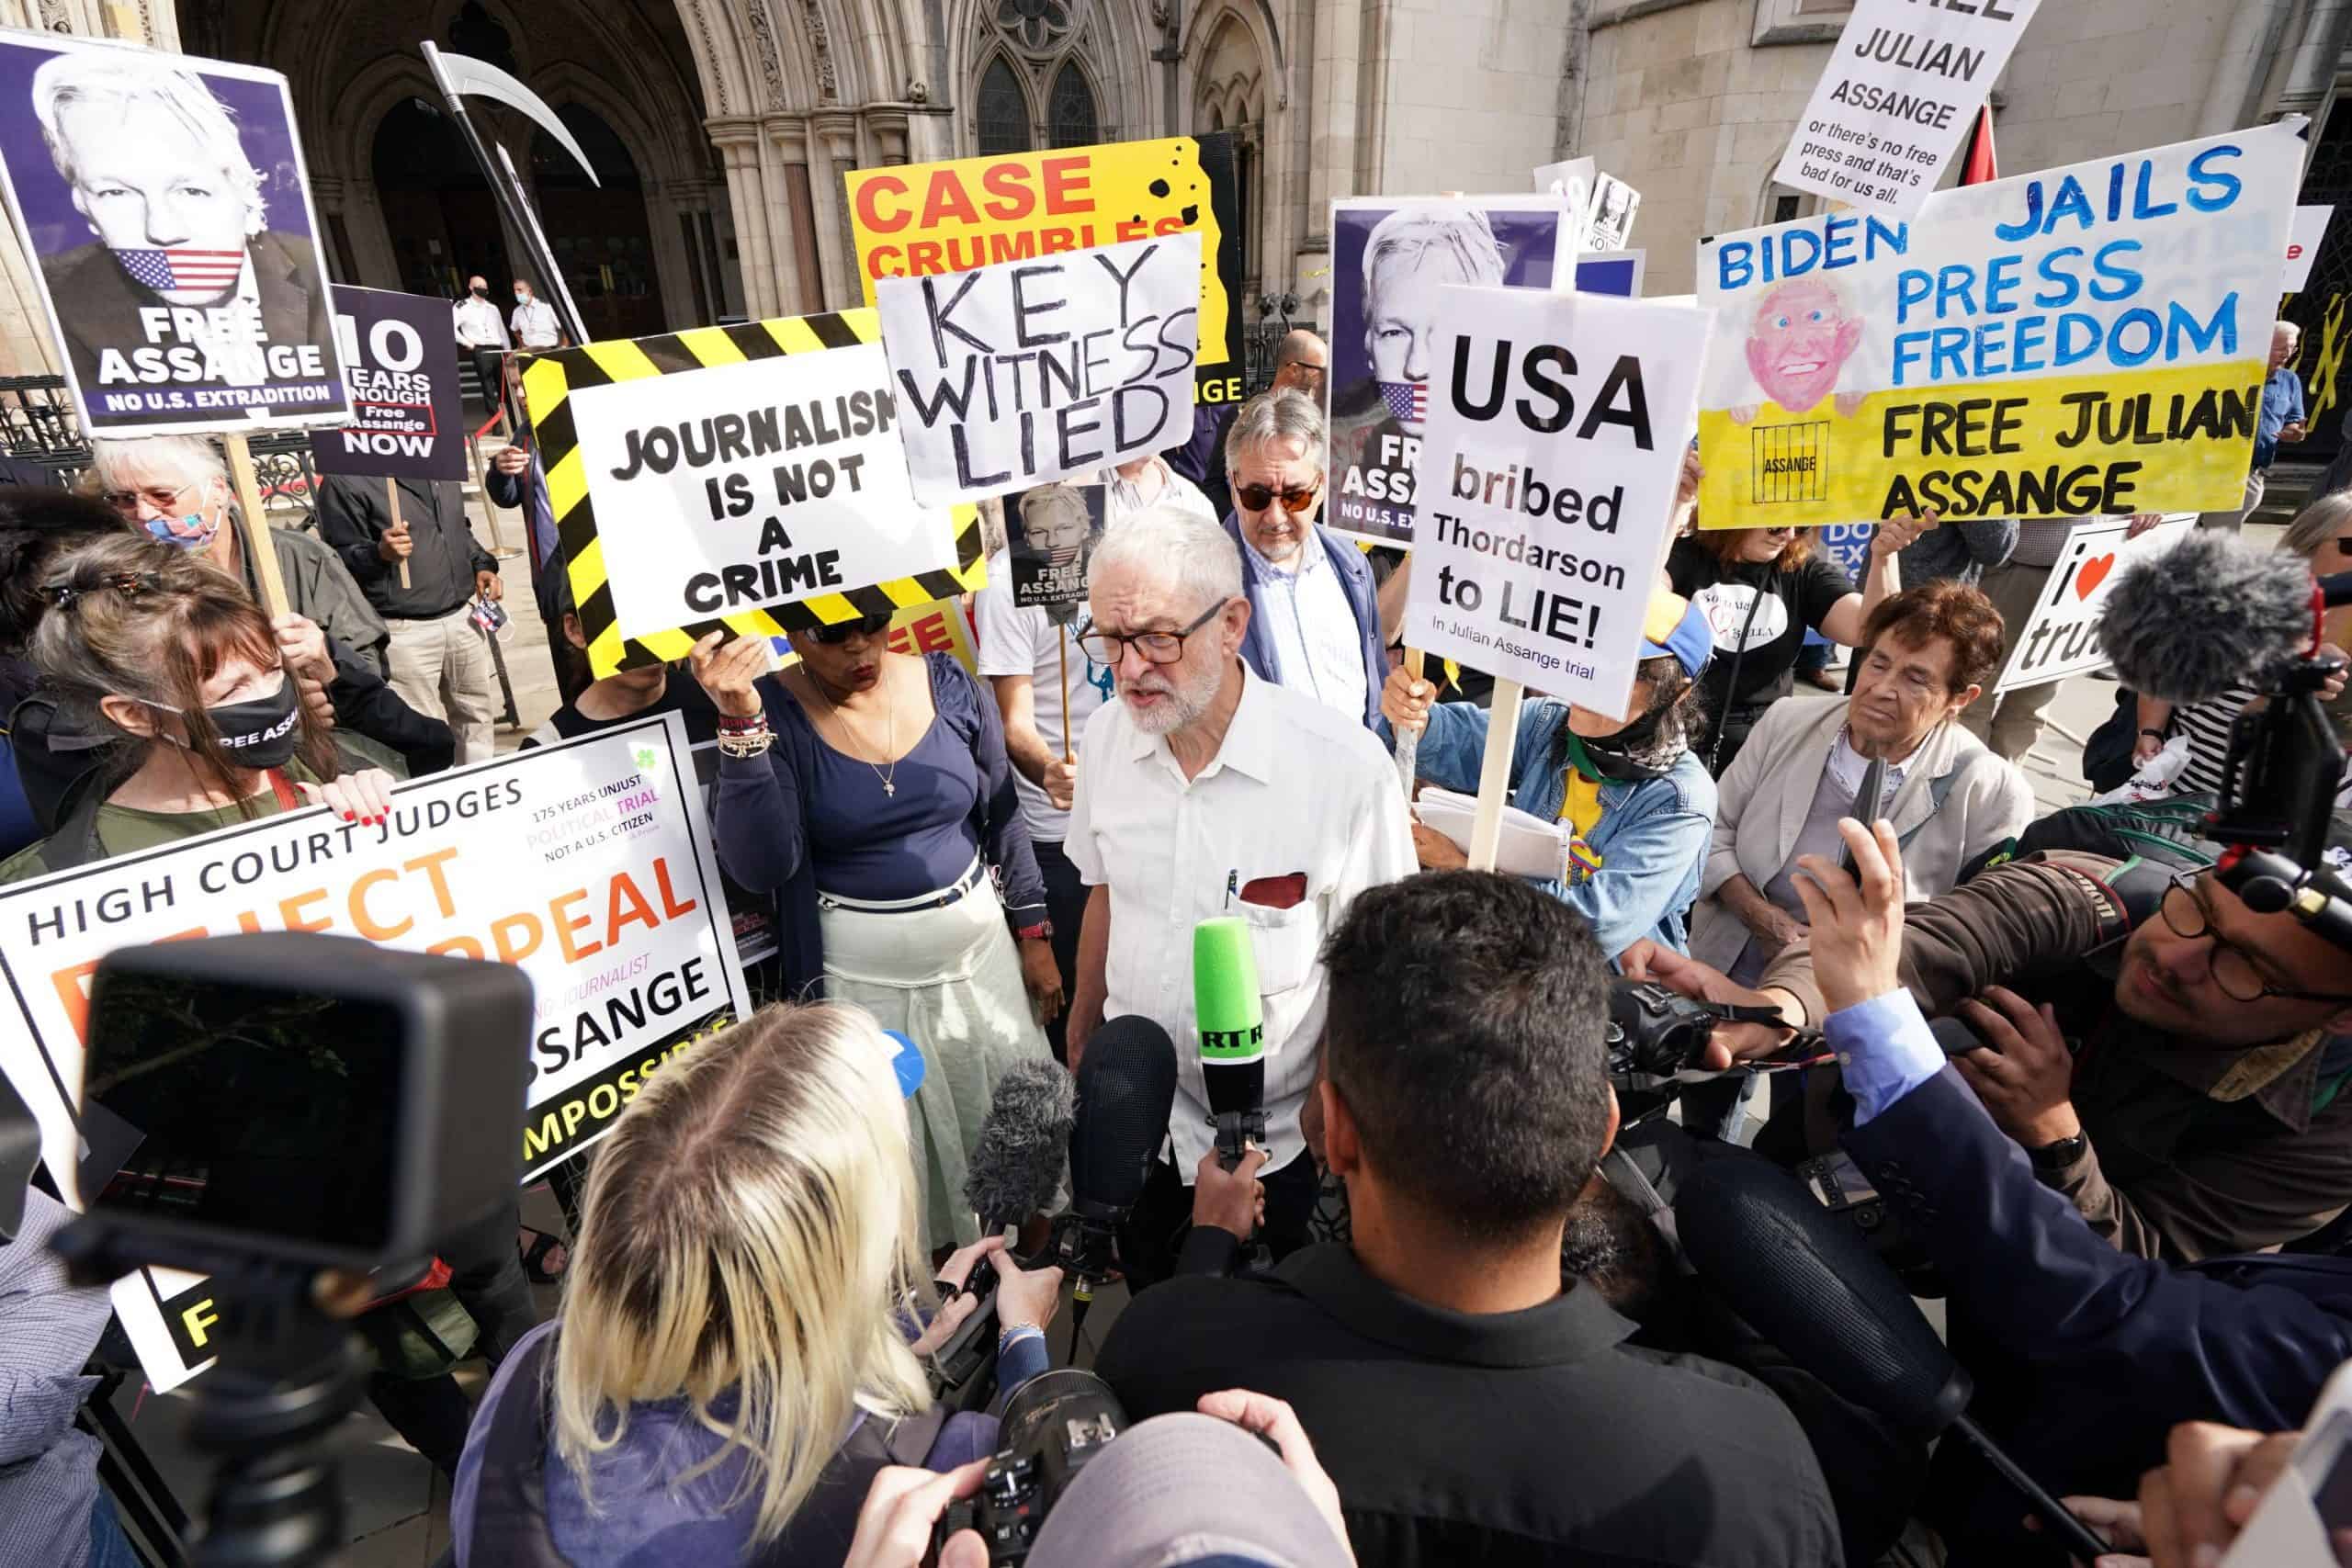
(841, 632)
(1257, 498)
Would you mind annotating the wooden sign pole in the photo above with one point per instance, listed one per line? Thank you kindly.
(1061, 652)
(392, 511)
(253, 527)
(1409, 741)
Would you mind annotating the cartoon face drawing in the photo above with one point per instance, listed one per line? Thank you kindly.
(1800, 339)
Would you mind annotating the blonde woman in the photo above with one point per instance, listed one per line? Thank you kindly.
(740, 1349)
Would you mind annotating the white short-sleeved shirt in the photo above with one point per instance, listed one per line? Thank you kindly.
(1014, 641)
(1295, 790)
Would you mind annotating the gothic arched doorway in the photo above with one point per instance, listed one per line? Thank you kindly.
(442, 218)
(600, 236)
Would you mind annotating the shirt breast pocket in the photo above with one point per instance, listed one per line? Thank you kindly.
(1285, 941)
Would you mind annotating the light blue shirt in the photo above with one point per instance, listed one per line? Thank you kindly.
(1318, 647)
(1884, 1051)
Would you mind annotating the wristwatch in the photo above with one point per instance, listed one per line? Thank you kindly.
(2060, 1155)
(2157, 733)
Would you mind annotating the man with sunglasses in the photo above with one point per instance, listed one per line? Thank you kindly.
(2176, 1064)
(1313, 615)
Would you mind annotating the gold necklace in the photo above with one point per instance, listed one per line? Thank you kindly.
(890, 734)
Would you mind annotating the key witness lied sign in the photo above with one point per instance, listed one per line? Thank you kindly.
(399, 364)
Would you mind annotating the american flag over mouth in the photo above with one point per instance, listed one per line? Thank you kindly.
(1407, 400)
(171, 271)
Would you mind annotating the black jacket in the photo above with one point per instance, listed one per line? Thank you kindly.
(352, 516)
(1529, 1437)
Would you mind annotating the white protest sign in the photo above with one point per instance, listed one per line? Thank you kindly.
(736, 487)
(1900, 92)
(2309, 227)
(1551, 461)
(587, 863)
(1013, 374)
(2061, 637)
(1610, 222)
(1572, 183)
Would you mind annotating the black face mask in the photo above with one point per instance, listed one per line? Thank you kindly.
(482, 293)
(259, 732)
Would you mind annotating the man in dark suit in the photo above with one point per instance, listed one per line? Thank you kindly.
(186, 287)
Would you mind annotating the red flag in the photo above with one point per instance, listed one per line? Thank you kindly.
(1980, 165)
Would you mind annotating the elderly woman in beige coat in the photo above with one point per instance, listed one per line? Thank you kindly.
(1927, 654)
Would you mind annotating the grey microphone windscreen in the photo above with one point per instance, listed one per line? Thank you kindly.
(2210, 612)
(1016, 1164)
(1807, 1281)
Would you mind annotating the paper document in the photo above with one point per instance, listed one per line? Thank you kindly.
(1529, 846)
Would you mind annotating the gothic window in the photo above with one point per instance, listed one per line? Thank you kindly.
(1072, 117)
(1037, 25)
(1004, 123)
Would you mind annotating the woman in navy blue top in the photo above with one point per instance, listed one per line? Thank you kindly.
(869, 791)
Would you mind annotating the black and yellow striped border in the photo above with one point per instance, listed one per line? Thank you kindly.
(548, 381)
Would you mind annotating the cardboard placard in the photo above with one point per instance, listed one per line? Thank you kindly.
(1029, 371)
(1551, 460)
(588, 863)
(1053, 531)
(177, 264)
(950, 217)
(399, 364)
(2084, 341)
(658, 514)
(2061, 638)
(1902, 89)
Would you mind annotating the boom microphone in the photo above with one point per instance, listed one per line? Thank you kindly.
(1811, 1285)
(1126, 1087)
(1016, 1165)
(1231, 1017)
(2211, 612)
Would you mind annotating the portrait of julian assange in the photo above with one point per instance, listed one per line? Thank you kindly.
(168, 211)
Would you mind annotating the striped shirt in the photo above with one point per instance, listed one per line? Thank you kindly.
(2206, 724)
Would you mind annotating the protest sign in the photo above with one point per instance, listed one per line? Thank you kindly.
(2087, 341)
(746, 478)
(399, 364)
(918, 219)
(1013, 375)
(2061, 637)
(586, 864)
(1053, 538)
(1391, 261)
(177, 259)
(919, 629)
(1611, 223)
(1552, 456)
(1571, 181)
(1903, 86)
(2309, 227)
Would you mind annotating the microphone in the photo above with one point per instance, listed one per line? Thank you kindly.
(1231, 1018)
(1017, 1162)
(1810, 1283)
(1127, 1088)
(2210, 612)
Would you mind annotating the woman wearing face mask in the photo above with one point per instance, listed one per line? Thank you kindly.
(1639, 805)
(186, 672)
(1762, 589)
(870, 791)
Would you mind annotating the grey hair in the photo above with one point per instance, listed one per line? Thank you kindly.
(2328, 517)
(1170, 543)
(1285, 414)
(190, 455)
(1410, 233)
(2294, 334)
(126, 76)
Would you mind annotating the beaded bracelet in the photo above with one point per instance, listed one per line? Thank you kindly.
(730, 724)
(754, 744)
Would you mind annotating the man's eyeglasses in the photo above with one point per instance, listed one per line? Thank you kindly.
(2184, 910)
(1257, 498)
(162, 498)
(1107, 649)
(841, 632)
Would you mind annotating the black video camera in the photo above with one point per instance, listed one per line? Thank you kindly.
(2276, 804)
(1052, 1425)
(1656, 1042)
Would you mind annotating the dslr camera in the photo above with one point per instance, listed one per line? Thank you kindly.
(1052, 1425)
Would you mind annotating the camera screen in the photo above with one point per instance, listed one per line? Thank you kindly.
(255, 1109)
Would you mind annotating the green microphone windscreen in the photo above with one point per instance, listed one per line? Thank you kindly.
(1225, 1005)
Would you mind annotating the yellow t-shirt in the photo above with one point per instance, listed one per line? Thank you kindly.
(1580, 807)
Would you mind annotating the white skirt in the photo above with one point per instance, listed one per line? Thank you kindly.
(950, 981)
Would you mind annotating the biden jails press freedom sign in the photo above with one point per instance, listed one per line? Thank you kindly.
(1549, 465)
(1011, 376)
(1902, 88)
(401, 365)
(2085, 341)
(587, 863)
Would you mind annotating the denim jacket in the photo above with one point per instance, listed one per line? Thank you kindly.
(1652, 837)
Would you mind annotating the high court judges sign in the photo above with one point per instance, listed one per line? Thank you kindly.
(164, 203)
(586, 864)
(2085, 341)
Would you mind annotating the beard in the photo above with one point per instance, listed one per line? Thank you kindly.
(1180, 701)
